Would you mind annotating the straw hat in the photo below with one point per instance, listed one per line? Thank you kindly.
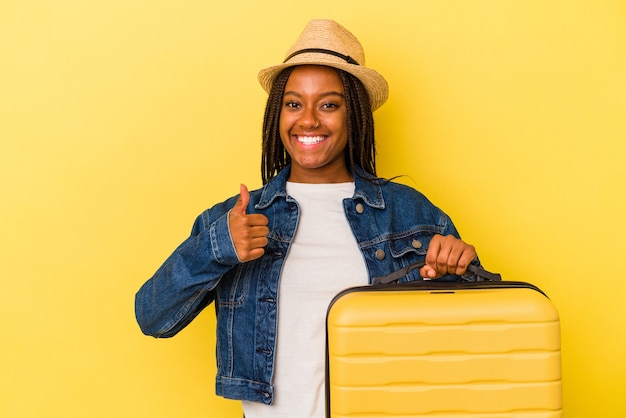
(325, 42)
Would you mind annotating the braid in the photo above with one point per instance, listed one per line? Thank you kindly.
(361, 147)
(361, 150)
(274, 157)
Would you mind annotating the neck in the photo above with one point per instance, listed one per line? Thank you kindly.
(320, 176)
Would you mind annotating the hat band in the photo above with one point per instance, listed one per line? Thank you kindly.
(347, 58)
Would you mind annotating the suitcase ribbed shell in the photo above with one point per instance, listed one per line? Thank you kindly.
(491, 352)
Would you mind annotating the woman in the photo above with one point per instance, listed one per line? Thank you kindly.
(272, 259)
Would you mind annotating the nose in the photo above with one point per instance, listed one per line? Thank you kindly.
(309, 120)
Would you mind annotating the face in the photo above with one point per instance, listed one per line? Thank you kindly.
(313, 125)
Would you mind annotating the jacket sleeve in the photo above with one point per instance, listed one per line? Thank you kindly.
(185, 283)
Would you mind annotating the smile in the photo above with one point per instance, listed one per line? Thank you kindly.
(310, 140)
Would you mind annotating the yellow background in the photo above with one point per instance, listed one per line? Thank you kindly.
(121, 120)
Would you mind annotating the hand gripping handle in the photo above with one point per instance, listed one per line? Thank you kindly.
(477, 274)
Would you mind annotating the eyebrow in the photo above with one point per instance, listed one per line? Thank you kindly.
(326, 94)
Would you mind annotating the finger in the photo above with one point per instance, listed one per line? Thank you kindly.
(242, 202)
(438, 255)
(430, 269)
(252, 249)
(259, 242)
(257, 220)
(254, 254)
(467, 256)
(455, 257)
(433, 251)
(427, 272)
(253, 232)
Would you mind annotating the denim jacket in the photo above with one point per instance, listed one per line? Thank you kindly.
(392, 224)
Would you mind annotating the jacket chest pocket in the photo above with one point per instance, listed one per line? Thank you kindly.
(407, 249)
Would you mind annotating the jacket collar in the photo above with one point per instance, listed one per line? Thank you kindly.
(367, 187)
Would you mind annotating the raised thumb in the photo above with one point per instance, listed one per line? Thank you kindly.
(244, 198)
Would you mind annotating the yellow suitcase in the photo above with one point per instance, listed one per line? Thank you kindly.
(445, 350)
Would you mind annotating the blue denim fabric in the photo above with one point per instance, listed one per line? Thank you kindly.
(392, 224)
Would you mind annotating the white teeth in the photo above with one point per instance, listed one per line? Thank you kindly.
(310, 140)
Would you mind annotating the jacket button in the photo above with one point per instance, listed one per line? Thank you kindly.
(360, 208)
(416, 244)
(380, 254)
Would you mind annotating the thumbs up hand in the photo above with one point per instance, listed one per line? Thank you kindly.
(248, 232)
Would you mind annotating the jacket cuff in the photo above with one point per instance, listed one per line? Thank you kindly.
(222, 242)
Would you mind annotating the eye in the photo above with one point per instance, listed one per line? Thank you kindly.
(330, 106)
(291, 104)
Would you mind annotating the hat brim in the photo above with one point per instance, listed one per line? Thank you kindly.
(376, 86)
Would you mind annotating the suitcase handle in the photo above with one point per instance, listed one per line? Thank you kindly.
(478, 274)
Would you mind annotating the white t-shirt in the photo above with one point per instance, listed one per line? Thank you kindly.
(324, 259)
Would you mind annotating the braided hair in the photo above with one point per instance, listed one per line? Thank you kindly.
(360, 150)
